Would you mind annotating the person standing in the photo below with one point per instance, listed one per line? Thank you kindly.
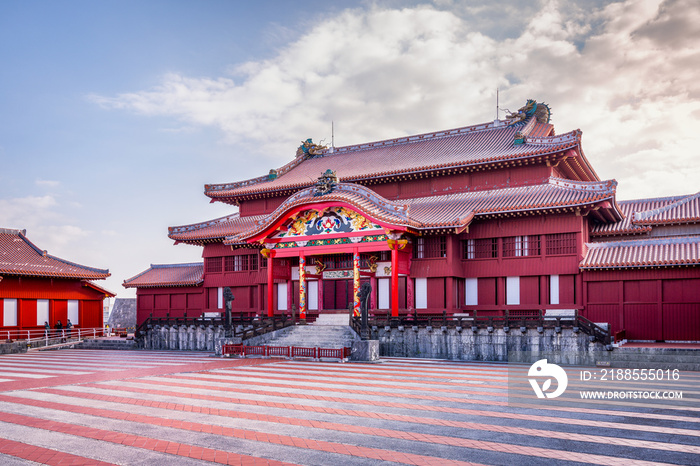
(69, 325)
(59, 328)
(47, 329)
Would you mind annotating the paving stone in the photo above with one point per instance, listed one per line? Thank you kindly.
(159, 407)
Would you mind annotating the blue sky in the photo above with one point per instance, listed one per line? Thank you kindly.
(114, 114)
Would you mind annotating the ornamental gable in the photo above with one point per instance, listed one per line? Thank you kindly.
(329, 221)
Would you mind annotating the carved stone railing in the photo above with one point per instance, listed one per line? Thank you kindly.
(523, 320)
(243, 327)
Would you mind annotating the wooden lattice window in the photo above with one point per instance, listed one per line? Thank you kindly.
(519, 246)
(561, 243)
(337, 261)
(241, 263)
(229, 263)
(430, 247)
(482, 248)
(214, 264)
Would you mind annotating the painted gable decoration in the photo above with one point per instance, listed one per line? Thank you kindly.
(330, 221)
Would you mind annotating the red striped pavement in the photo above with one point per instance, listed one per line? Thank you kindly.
(115, 407)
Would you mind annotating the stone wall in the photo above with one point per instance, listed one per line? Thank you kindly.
(183, 337)
(13, 347)
(563, 346)
(559, 346)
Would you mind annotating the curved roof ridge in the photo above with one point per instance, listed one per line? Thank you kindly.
(348, 187)
(200, 225)
(646, 215)
(417, 137)
(170, 266)
(352, 194)
(654, 199)
(602, 185)
(685, 239)
(571, 136)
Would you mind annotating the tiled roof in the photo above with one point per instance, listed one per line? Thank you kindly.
(19, 256)
(362, 198)
(554, 193)
(461, 147)
(99, 288)
(212, 230)
(648, 252)
(642, 214)
(685, 210)
(450, 210)
(168, 275)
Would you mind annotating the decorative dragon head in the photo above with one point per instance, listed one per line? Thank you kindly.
(308, 148)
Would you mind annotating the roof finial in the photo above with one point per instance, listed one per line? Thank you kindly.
(497, 122)
(332, 136)
(497, 104)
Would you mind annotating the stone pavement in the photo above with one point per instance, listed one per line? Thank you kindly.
(152, 408)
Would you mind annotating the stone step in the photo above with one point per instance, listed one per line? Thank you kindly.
(332, 319)
(322, 336)
(106, 344)
(636, 364)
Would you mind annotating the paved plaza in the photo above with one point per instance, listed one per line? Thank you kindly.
(153, 408)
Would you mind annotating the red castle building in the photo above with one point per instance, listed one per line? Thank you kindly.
(36, 287)
(499, 217)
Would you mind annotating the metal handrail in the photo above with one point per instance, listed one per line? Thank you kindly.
(42, 335)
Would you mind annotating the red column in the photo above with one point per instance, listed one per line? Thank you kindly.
(373, 296)
(356, 282)
(320, 294)
(270, 286)
(290, 294)
(302, 287)
(449, 294)
(394, 281)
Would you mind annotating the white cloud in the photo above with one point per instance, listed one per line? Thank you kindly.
(623, 72)
(48, 183)
(18, 212)
(46, 226)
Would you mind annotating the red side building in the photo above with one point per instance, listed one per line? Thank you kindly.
(36, 287)
(499, 217)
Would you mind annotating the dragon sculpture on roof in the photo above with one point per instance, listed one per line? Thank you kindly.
(326, 183)
(538, 109)
(308, 148)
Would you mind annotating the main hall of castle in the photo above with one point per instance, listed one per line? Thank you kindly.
(495, 218)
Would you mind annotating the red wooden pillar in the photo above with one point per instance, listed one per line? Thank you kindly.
(449, 294)
(545, 284)
(302, 287)
(261, 298)
(320, 294)
(410, 294)
(290, 294)
(394, 280)
(373, 296)
(270, 286)
(356, 282)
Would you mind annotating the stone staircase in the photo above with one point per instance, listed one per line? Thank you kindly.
(328, 331)
(656, 358)
(106, 344)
